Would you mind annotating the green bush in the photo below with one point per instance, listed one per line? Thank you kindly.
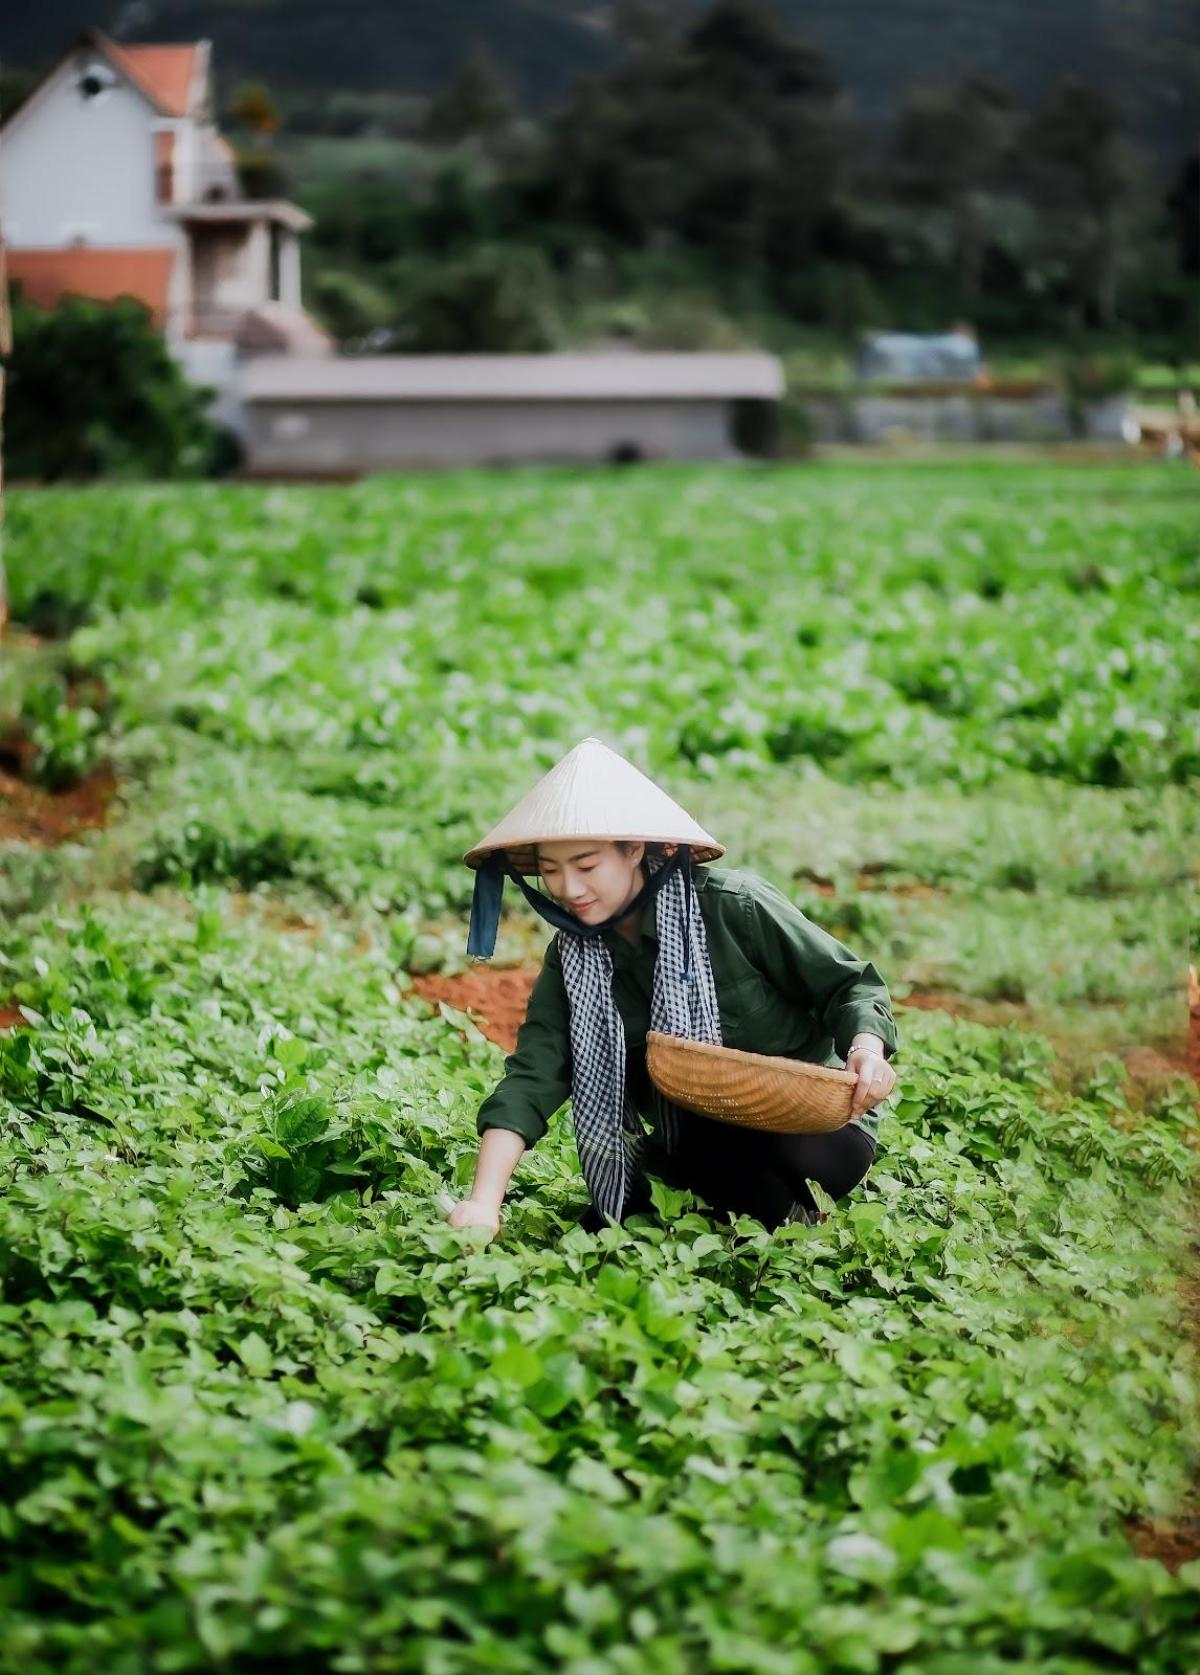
(492, 299)
(93, 391)
(1091, 377)
(349, 305)
(688, 320)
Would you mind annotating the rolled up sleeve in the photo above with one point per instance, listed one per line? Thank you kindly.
(537, 1073)
(846, 994)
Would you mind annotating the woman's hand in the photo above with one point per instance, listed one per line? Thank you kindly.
(499, 1153)
(876, 1078)
(471, 1213)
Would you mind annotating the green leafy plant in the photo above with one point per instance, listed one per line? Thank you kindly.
(262, 1408)
(66, 736)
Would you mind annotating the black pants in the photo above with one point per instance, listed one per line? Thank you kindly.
(745, 1171)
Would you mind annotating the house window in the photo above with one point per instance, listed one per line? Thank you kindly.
(94, 82)
(164, 166)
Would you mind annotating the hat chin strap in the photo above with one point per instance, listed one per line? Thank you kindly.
(489, 888)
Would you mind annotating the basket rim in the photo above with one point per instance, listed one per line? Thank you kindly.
(757, 1061)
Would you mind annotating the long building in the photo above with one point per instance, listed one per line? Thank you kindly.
(346, 414)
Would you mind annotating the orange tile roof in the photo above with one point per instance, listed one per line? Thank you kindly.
(88, 271)
(165, 73)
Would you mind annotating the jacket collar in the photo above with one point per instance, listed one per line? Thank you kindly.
(648, 932)
(649, 926)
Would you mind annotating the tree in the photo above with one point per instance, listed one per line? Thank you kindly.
(350, 306)
(16, 84)
(92, 389)
(724, 136)
(259, 171)
(644, 25)
(477, 100)
(952, 164)
(253, 107)
(1089, 187)
(495, 299)
(1183, 209)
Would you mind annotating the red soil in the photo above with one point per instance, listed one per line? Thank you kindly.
(494, 999)
(872, 875)
(937, 1000)
(1151, 1064)
(877, 875)
(1173, 1541)
(29, 814)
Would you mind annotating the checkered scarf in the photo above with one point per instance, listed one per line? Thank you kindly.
(608, 1130)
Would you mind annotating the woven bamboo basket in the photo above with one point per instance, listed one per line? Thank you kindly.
(750, 1090)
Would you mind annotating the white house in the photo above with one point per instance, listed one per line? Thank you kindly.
(115, 180)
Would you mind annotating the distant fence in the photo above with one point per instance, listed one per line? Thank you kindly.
(954, 413)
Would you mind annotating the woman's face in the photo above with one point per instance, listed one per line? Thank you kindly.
(593, 878)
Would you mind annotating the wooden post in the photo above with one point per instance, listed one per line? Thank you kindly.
(1193, 994)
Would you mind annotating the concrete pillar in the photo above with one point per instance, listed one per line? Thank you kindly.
(289, 270)
(258, 263)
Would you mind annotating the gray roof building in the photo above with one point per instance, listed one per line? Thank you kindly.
(338, 414)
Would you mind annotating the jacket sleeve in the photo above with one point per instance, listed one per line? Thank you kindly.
(537, 1073)
(845, 993)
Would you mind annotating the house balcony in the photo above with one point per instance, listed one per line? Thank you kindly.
(218, 183)
(240, 212)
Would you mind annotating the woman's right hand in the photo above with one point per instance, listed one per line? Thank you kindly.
(471, 1213)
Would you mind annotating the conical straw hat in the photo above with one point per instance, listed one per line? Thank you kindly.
(592, 793)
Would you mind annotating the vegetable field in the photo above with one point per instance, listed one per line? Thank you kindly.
(261, 1409)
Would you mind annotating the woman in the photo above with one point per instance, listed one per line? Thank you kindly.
(650, 937)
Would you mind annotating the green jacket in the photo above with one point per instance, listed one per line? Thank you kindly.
(783, 985)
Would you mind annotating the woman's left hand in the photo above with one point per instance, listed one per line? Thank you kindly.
(876, 1078)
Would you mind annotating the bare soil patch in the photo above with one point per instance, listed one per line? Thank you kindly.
(1173, 1541)
(1148, 1066)
(971, 1007)
(872, 875)
(495, 1000)
(882, 875)
(30, 814)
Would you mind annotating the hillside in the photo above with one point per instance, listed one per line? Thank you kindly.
(1146, 53)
